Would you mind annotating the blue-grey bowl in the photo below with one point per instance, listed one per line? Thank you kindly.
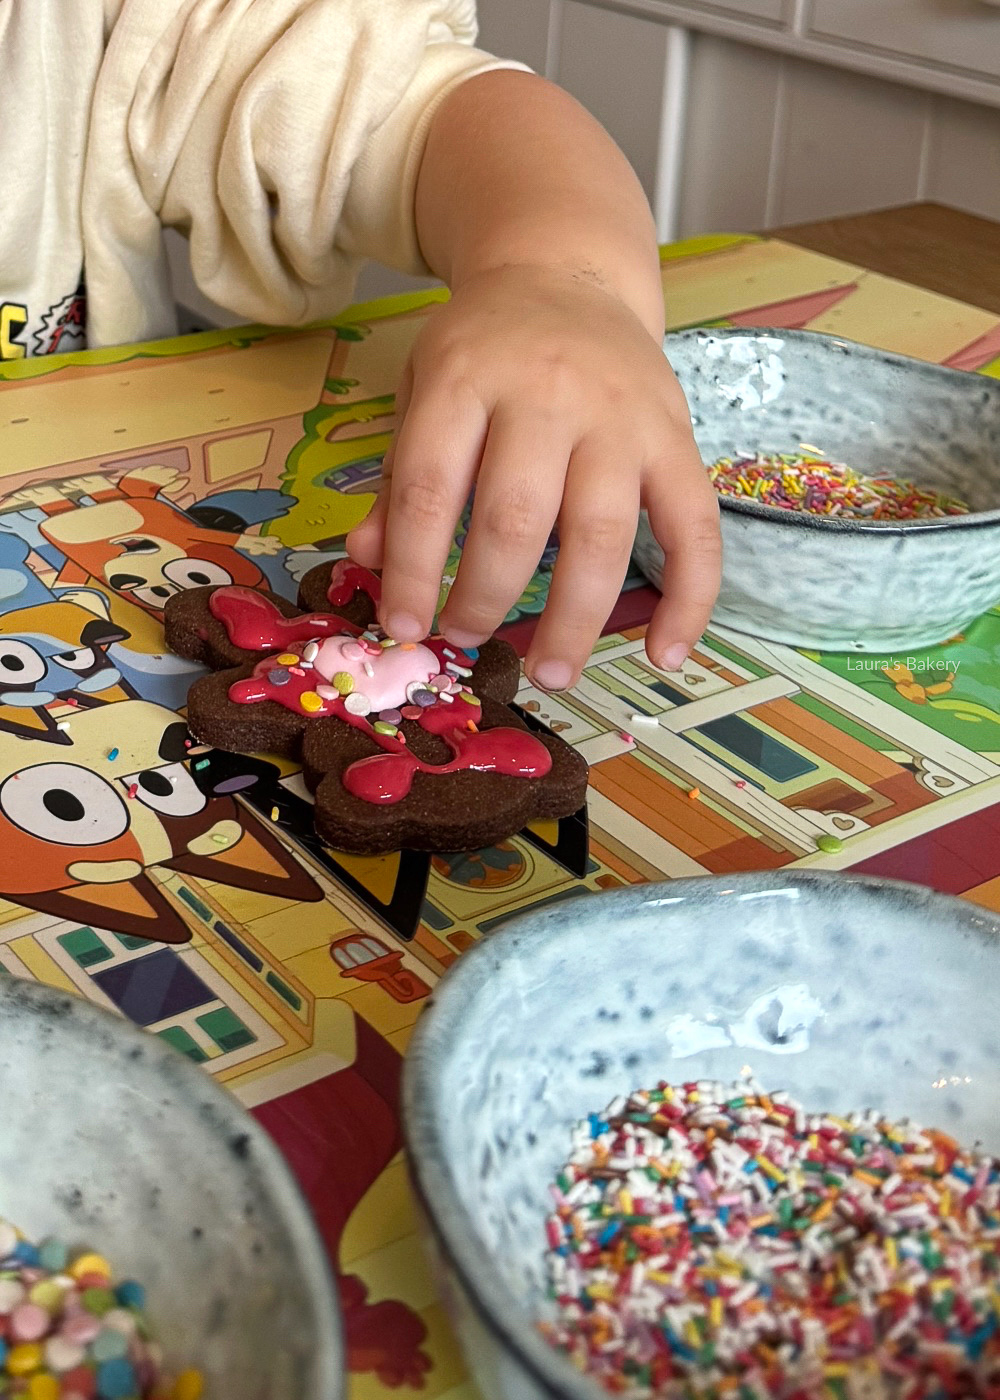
(837, 584)
(111, 1138)
(848, 992)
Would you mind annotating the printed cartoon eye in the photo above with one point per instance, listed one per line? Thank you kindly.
(64, 804)
(170, 790)
(153, 597)
(195, 573)
(19, 663)
(80, 660)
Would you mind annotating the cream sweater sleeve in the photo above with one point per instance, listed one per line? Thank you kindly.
(283, 136)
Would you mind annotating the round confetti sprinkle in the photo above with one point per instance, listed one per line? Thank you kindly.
(424, 698)
(790, 481)
(43, 1387)
(311, 702)
(278, 675)
(344, 682)
(717, 1241)
(287, 658)
(357, 704)
(28, 1322)
(188, 1386)
(390, 716)
(131, 1294)
(23, 1359)
(352, 651)
(310, 652)
(52, 1253)
(829, 843)
(89, 1264)
(109, 1345)
(61, 1354)
(381, 727)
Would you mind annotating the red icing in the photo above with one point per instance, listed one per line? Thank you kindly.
(346, 578)
(387, 777)
(255, 624)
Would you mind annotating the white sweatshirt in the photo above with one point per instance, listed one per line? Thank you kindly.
(283, 136)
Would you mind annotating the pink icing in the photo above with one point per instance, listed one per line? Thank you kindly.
(394, 669)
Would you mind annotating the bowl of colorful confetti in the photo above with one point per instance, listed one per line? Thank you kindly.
(859, 490)
(729, 1136)
(153, 1244)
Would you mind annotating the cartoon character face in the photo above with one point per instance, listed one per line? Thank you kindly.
(151, 570)
(100, 813)
(55, 649)
(147, 550)
(79, 829)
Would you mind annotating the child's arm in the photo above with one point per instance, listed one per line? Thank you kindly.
(543, 383)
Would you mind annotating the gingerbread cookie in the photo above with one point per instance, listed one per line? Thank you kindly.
(410, 745)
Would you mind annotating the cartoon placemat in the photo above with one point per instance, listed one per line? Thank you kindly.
(294, 973)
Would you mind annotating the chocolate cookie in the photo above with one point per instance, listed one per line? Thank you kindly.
(404, 745)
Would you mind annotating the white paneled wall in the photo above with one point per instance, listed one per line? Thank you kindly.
(963, 156)
(740, 114)
(846, 143)
(767, 135)
(773, 139)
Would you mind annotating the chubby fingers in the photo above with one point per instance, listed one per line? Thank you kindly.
(518, 494)
(596, 532)
(435, 457)
(684, 516)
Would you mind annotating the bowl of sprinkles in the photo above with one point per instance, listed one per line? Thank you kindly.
(859, 490)
(153, 1244)
(724, 1137)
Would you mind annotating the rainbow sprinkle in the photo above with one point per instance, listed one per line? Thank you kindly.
(716, 1241)
(789, 481)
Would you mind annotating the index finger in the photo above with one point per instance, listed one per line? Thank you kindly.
(436, 456)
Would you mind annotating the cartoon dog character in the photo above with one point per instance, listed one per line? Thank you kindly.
(81, 826)
(52, 647)
(132, 540)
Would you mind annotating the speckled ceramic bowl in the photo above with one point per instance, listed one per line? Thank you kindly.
(111, 1138)
(834, 584)
(849, 993)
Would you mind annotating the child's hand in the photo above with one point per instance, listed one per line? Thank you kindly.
(549, 396)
